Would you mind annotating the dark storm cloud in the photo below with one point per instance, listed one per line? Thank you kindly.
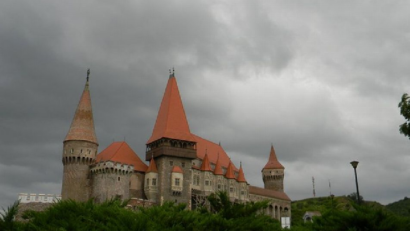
(319, 80)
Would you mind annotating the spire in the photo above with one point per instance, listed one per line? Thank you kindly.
(171, 119)
(152, 166)
(82, 126)
(218, 167)
(241, 175)
(273, 162)
(205, 164)
(229, 171)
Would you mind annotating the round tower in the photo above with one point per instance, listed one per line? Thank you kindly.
(79, 150)
(273, 173)
(151, 181)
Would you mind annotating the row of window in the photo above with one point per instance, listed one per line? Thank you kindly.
(154, 181)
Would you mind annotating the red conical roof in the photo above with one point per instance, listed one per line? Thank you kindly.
(229, 172)
(273, 162)
(171, 120)
(82, 126)
(152, 166)
(205, 164)
(218, 167)
(241, 175)
(122, 153)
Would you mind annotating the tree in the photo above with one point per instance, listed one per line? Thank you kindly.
(353, 197)
(404, 106)
(7, 221)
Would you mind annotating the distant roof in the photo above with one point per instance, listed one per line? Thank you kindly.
(213, 150)
(268, 193)
(273, 162)
(177, 169)
(82, 126)
(171, 119)
(121, 152)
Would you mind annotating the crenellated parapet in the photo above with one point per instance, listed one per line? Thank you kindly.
(38, 198)
(112, 167)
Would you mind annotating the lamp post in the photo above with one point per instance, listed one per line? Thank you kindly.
(354, 164)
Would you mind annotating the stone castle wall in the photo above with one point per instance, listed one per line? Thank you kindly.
(165, 165)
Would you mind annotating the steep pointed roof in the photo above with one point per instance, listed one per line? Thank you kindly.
(82, 126)
(205, 164)
(229, 171)
(171, 119)
(152, 166)
(273, 162)
(241, 175)
(218, 167)
(122, 152)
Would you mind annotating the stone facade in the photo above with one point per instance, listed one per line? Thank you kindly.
(183, 168)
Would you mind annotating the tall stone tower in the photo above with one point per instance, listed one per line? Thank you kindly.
(273, 173)
(173, 147)
(79, 150)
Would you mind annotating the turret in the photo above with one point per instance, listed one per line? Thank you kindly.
(79, 150)
(242, 185)
(273, 173)
(151, 181)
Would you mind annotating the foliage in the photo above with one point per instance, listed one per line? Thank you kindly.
(363, 218)
(401, 207)
(404, 106)
(353, 197)
(111, 215)
(7, 218)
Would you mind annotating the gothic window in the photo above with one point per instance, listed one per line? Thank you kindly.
(81, 151)
(242, 193)
(231, 189)
(147, 181)
(219, 187)
(72, 150)
(89, 151)
(206, 183)
(154, 181)
(183, 164)
(171, 163)
(119, 178)
(176, 181)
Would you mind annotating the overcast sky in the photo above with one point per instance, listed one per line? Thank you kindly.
(320, 80)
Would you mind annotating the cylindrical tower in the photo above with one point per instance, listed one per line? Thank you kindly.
(79, 151)
(273, 173)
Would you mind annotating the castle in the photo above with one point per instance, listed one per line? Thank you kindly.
(183, 167)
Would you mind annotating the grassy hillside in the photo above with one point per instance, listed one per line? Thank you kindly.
(323, 204)
(401, 207)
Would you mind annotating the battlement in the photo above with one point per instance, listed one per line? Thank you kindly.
(112, 167)
(41, 198)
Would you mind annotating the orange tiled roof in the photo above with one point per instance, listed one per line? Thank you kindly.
(212, 149)
(82, 126)
(121, 152)
(268, 193)
(171, 120)
(218, 167)
(273, 162)
(176, 169)
(205, 164)
(152, 166)
(229, 172)
(241, 176)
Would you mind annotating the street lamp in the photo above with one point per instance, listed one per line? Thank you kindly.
(354, 164)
